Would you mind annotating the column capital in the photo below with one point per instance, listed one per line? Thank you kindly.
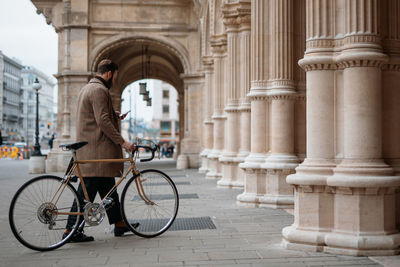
(218, 44)
(207, 62)
(361, 59)
(237, 14)
(284, 97)
(320, 62)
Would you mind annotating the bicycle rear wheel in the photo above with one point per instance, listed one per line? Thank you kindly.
(38, 210)
(150, 199)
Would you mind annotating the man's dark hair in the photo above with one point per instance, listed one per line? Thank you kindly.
(106, 65)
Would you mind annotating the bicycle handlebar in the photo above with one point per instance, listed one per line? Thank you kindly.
(153, 150)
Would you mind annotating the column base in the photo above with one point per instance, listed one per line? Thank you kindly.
(182, 162)
(204, 161)
(203, 170)
(303, 240)
(247, 199)
(37, 164)
(277, 201)
(279, 193)
(349, 215)
(254, 181)
(255, 185)
(342, 244)
(214, 166)
(229, 173)
(58, 159)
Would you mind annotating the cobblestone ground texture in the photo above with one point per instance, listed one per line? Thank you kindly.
(243, 236)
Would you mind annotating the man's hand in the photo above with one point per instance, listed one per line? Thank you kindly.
(123, 116)
(128, 146)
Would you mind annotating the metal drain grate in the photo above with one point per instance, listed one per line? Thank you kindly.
(180, 224)
(177, 176)
(176, 183)
(166, 197)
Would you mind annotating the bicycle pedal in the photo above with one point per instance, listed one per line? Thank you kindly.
(73, 179)
(108, 202)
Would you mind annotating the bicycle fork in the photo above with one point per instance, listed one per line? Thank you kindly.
(140, 189)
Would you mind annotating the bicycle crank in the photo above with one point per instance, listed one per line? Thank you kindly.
(94, 214)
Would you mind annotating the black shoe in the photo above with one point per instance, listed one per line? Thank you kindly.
(78, 237)
(119, 231)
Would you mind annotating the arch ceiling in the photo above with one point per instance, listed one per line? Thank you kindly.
(168, 60)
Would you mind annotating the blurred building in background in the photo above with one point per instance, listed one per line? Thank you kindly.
(10, 91)
(165, 112)
(18, 103)
(28, 106)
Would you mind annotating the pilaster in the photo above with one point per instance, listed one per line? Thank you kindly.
(69, 84)
(208, 123)
(218, 45)
(189, 156)
(254, 176)
(234, 15)
(281, 90)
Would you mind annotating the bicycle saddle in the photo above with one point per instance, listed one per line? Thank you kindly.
(74, 146)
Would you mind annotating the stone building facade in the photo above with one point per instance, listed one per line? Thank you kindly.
(10, 87)
(28, 107)
(296, 101)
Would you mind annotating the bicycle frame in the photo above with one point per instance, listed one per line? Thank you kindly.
(74, 166)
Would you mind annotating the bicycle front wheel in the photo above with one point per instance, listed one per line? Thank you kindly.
(39, 213)
(149, 203)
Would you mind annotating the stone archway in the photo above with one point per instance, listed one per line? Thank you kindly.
(168, 60)
(89, 31)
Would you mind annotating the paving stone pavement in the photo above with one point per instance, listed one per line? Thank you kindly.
(243, 236)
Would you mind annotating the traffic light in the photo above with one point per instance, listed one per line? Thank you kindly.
(48, 125)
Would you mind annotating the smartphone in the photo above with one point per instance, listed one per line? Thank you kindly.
(126, 113)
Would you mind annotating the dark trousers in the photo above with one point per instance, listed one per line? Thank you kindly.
(93, 185)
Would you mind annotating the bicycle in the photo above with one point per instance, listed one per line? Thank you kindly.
(40, 208)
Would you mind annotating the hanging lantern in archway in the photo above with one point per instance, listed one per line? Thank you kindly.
(142, 88)
(146, 96)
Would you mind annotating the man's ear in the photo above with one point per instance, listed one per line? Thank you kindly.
(109, 74)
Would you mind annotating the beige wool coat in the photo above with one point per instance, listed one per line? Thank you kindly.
(97, 124)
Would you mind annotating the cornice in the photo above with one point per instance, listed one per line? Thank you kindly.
(45, 7)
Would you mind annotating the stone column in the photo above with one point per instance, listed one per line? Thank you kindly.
(207, 124)
(218, 44)
(189, 157)
(282, 95)
(313, 199)
(390, 93)
(73, 75)
(254, 183)
(347, 209)
(227, 158)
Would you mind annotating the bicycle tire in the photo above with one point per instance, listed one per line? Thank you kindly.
(26, 197)
(162, 202)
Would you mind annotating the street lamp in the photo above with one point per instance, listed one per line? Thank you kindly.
(36, 86)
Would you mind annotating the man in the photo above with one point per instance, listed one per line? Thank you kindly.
(97, 123)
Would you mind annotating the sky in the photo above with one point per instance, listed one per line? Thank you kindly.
(142, 110)
(26, 36)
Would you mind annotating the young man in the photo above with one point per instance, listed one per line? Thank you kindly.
(97, 123)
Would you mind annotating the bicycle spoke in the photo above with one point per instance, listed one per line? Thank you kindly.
(32, 219)
(156, 211)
